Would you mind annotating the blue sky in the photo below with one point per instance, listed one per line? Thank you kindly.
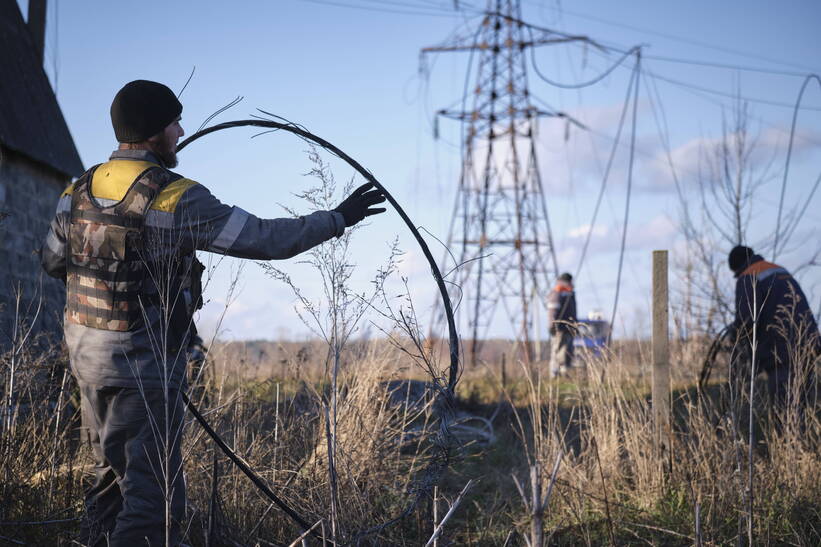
(348, 70)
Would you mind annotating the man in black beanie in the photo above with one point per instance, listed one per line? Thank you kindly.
(124, 239)
(140, 114)
(773, 315)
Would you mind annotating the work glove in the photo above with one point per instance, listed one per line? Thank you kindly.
(357, 206)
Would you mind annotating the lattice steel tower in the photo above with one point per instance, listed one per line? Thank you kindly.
(500, 231)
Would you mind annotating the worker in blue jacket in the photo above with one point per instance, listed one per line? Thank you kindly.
(774, 328)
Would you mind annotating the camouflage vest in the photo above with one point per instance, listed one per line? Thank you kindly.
(105, 263)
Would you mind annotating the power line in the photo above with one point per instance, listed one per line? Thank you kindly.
(664, 135)
(791, 229)
(433, 6)
(629, 191)
(652, 155)
(681, 39)
(439, 13)
(606, 173)
(731, 66)
(577, 85)
(723, 105)
(727, 94)
(712, 91)
(697, 62)
(437, 10)
(626, 52)
(807, 81)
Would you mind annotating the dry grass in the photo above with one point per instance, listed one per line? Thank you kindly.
(611, 485)
(349, 433)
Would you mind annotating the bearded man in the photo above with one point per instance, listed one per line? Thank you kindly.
(124, 239)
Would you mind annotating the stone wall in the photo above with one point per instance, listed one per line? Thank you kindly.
(28, 199)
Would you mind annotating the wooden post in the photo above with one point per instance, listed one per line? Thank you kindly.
(661, 352)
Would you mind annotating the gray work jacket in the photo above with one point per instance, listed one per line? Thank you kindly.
(184, 218)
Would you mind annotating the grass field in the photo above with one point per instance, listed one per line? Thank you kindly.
(584, 442)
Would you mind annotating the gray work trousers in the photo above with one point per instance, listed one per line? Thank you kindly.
(561, 352)
(126, 429)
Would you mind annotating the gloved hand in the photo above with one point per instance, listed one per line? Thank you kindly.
(357, 206)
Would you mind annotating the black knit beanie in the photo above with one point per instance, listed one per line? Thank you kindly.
(739, 257)
(566, 277)
(141, 109)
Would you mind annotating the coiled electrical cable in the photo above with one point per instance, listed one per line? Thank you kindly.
(453, 371)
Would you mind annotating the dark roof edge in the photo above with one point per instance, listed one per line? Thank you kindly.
(31, 121)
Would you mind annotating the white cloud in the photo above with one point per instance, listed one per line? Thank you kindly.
(580, 232)
(692, 159)
(658, 233)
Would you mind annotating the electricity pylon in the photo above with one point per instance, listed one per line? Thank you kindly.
(500, 230)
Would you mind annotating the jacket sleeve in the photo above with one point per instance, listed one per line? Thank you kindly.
(213, 226)
(53, 253)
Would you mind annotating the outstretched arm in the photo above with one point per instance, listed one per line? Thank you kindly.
(213, 226)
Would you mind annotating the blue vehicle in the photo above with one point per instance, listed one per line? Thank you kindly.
(591, 335)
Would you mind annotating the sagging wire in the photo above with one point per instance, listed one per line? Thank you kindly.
(796, 108)
(579, 85)
(791, 229)
(636, 50)
(607, 172)
(637, 69)
(564, 11)
(448, 393)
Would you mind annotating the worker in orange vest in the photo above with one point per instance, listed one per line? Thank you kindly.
(561, 316)
(774, 330)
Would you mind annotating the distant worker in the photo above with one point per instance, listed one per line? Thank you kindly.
(772, 314)
(124, 240)
(561, 317)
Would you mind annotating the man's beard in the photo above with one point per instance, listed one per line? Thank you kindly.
(165, 150)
